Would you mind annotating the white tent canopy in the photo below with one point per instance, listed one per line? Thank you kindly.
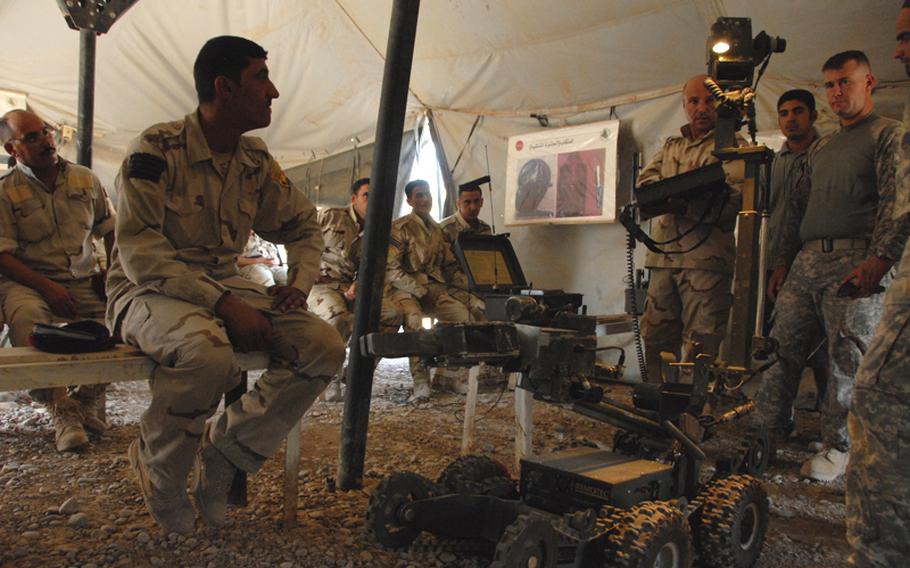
(573, 60)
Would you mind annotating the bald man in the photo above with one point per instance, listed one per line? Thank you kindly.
(689, 294)
(50, 212)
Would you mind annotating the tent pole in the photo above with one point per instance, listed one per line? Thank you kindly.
(371, 275)
(86, 115)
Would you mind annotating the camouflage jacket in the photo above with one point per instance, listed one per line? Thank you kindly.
(343, 236)
(887, 237)
(681, 154)
(454, 225)
(899, 291)
(419, 255)
(181, 225)
(51, 231)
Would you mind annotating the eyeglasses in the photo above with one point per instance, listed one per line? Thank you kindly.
(36, 136)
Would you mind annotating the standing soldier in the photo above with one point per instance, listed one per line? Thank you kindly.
(796, 117)
(422, 275)
(50, 210)
(332, 298)
(838, 242)
(190, 191)
(878, 476)
(689, 294)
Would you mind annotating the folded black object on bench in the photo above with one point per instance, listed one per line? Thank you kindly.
(78, 337)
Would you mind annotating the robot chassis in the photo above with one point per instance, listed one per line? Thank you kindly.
(641, 504)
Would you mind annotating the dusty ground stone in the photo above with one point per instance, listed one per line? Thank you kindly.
(807, 519)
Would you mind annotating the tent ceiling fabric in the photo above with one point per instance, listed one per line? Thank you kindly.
(503, 57)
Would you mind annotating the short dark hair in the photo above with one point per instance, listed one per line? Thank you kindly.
(838, 60)
(358, 184)
(469, 188)
(801, 95)
(224, 56)
(409, 189)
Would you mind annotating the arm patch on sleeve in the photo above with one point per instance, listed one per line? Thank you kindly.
(146, 166)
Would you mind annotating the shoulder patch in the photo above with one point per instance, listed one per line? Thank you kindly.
(146, 166)
(278, 175)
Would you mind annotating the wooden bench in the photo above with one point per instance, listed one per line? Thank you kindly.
(23, 368)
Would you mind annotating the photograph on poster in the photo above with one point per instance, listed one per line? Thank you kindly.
(566, 175)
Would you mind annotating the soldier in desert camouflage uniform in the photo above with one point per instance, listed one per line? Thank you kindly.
(837, 228)
(467, 220)
(878, 475)
(261, 262)
(50, 210)
(332, 298)
(190, 191)
(689, 293)
(423, 276)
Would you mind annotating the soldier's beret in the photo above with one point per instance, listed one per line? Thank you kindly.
(146, 166)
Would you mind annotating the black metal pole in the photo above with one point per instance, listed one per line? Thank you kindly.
(86, 114)
(371, 275)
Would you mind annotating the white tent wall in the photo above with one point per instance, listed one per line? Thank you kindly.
(570, 59)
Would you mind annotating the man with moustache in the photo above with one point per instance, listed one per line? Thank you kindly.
(190, 192)
(878, 475)
(423, 277)
(50, 212)
(838, 242)
(689, 294)
(467, 220)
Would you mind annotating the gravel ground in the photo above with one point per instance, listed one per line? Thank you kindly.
(83, 509)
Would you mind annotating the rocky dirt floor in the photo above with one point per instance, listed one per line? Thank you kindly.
(84, 510)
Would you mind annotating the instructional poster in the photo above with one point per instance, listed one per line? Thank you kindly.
(567, 175)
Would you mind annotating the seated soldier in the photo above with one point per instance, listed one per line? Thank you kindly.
(190, 191)
(261, 262)
(467, 220)
(50, 210)
(423, 277)
(332, 298)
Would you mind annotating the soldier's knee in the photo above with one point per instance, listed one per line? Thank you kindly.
(23, 318)
(328, 348)
(209, 355)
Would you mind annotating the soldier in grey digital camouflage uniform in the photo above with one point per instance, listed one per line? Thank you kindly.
(837, 228)
(689, 294)
(422, 275)
(878, 475)
(796, 117)
(189, 193)
(332, 298)
(50, 210)
(467, 220)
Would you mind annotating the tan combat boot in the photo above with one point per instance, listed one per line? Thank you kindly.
(92, 403)
(211, 481)
(172, 512)
(68, 431)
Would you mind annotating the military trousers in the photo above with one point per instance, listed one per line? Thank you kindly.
(24, 307)
(196, 366)
(878, 474)
(684, 307)
(807, 311)
(328, 302)
(440, 302)
(265, 275)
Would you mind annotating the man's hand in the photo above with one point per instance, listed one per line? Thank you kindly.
(866, 276)
(268, 261)
(58, 299)
(287, 298)
(351, 292)
(776, 282)
(247, 328)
